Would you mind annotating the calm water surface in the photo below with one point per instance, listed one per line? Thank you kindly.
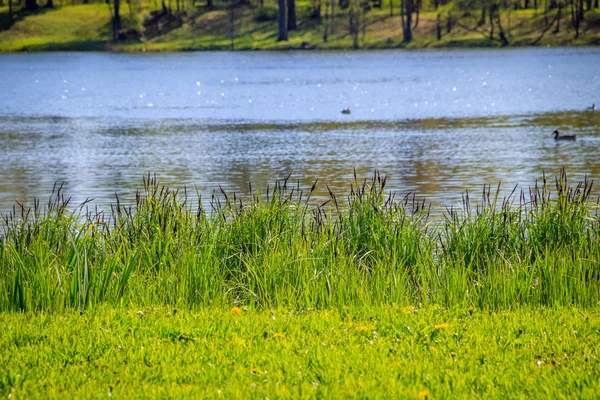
(435, 122)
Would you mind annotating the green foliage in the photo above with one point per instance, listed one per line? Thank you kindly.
(266, 13)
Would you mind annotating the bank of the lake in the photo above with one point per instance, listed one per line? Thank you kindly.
(87, 27)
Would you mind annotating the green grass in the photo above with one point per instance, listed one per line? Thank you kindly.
(88, 27)
(83, 27)
(278, 295)
(283, 250)
(381, 352)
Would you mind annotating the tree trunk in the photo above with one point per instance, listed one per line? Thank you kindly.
(10, 11)
(559, 15)
(232, 25)
(332, 16)
(210, 4)
(30, 5)
(438, 27)
(482, 18)
(292, 15)
(283, 35)
(491, 22)
(449, 23)
(573, 11)
(116, 19)
(588, 5)
(316, 11)
(578, 17)
(49, 4)
(501, 34)
(325, 29)
(418, 8)
(597, 4)
(407, 31)
(402, 20)
(391, 8)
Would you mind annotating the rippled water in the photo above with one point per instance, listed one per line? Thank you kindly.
(435, 122)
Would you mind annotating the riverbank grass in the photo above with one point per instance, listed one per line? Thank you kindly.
(284, 249)
(277, 294)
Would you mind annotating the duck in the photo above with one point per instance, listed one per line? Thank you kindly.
(346, 110)
(558, 136)
(592, 108)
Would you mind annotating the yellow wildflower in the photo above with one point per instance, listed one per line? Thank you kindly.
(279, 335)
(423, 394)
(236, 310)
(363, 328)
(254, 370)
(442, 326)
(471, 310)
(410, 308)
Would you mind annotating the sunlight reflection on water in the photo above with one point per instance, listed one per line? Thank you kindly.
(437, 122)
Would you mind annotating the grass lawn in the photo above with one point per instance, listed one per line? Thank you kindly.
(276, 297)
(379, 352)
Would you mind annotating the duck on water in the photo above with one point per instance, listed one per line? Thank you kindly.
(558, 136)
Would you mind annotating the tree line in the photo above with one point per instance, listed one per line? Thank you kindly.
(487, 17)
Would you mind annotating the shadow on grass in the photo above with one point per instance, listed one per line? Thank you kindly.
(18, 14)
(79, 45)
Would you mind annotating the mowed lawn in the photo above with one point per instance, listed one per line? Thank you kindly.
(81, 27)
(222, 352)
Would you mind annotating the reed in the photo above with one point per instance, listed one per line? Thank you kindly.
(282, 248)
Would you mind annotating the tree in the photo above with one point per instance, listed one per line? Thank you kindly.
(354, 16)
(232, 25)
(292, 15)
(116, 18)
(316, 10)
(578, 16)
(406, 10)
(283, 33)
(326, 27)
(30, 5)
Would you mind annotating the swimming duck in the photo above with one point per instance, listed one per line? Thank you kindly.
(346, 110)
(558, 136)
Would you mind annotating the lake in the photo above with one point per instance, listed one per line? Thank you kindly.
(435, 122)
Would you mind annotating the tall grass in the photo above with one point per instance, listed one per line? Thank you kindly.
(283, 249)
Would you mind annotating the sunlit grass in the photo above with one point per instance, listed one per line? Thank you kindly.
(346, 352)
(281, 249)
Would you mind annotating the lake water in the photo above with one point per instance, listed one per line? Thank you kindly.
(436, 122)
